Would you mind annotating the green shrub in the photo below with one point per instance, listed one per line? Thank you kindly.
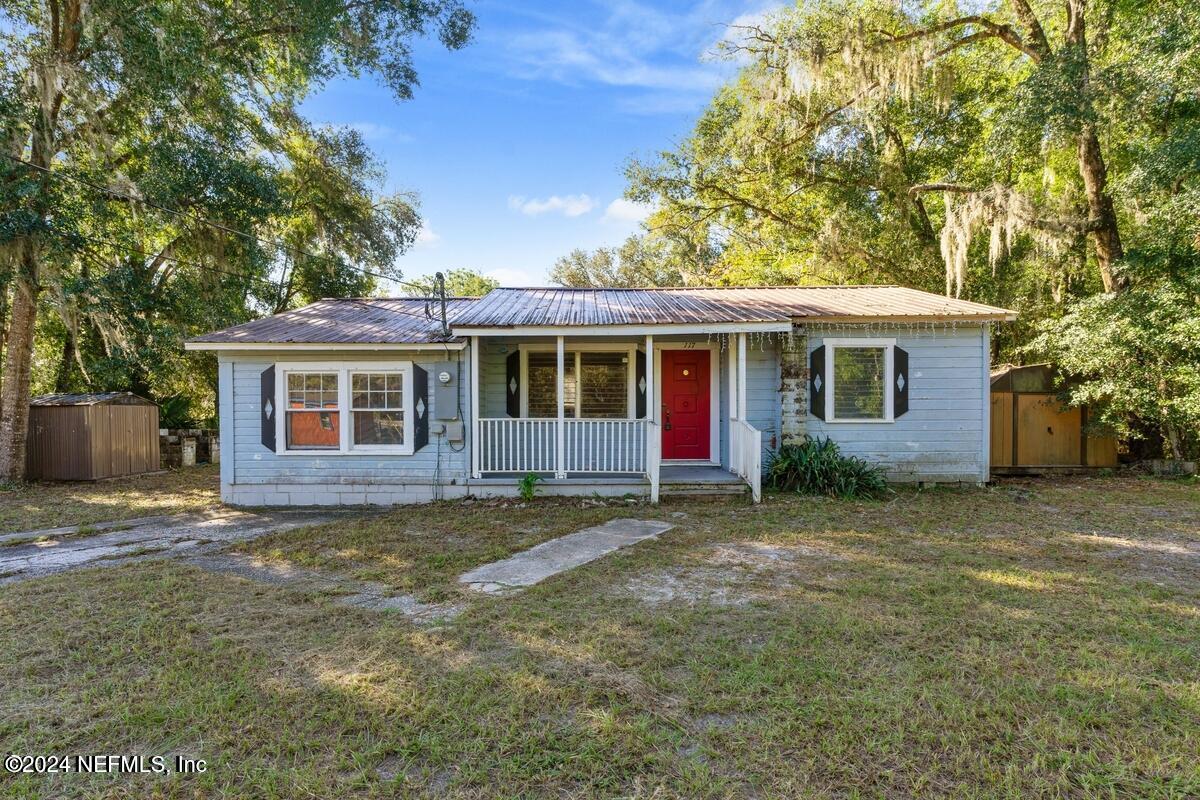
(817, 466)
(175, 412)
(528, 485)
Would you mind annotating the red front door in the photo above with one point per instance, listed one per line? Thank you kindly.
(686, 417)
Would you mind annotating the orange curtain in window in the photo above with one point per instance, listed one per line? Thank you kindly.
(316, 429)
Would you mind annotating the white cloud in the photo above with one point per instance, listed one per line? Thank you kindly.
(570, 205)
(426, 237)
(622, 210)
(637, 48)
(565, 56)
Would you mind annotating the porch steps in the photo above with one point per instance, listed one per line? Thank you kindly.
(700, 481)
(703, 490)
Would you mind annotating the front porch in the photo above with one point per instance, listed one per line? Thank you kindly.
(614, 415)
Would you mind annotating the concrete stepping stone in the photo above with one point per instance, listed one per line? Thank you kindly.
(559, 555)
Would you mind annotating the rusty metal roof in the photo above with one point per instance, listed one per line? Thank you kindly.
(554, 307)
(90, 399)
(368, 320)
(403, 320)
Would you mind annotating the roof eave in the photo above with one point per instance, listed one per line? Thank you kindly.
(639, 329)
(200, 346)
(1006, 316)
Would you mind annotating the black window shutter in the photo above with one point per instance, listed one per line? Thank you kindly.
(512, 384)
(268, 407)
(816, 382)
(640, 381)
(899, 381)
(420, 406)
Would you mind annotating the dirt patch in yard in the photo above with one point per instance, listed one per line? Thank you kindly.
(736, 573)
(1167, 561)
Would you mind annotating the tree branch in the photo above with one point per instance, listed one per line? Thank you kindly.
(940, 187)
(1037, 35)
(999, 30)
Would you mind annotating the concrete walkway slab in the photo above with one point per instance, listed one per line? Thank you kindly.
(558, 555)
(32, 554)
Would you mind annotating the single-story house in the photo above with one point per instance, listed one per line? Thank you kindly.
(599, 391)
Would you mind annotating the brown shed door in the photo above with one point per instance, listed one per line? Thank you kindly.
(1046, 434)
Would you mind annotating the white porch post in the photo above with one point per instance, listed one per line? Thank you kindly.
(476, 425)
(653, 436)
(741, 378)
(651, 406)
(560, 432)
(733, 400)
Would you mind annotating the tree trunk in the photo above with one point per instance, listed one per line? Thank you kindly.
(1106, 238)
(3, 336)
(66, 364)
(1174, 440)
(14, 396)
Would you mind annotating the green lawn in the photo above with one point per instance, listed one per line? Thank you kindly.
(1032, 639)
(50, 505)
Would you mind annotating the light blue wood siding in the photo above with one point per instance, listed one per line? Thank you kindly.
(252, 463)
(941, 438)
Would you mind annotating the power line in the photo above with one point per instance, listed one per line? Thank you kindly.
(209, 268)
(204, 221)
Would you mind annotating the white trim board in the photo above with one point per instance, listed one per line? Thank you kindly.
(268, 347)
(627, 330)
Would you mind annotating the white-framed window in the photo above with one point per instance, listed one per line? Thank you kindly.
(349, 407)
(377, 400)
(598, 381)
(858, 373)
(312, 410)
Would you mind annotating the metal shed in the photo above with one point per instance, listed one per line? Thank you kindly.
(86, 437)
(1032, 431)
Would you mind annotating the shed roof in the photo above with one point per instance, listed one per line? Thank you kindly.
(1026, 378)
(557, 307)
(90, 399)
(367, 320)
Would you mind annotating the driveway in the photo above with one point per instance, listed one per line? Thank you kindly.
(32, 554)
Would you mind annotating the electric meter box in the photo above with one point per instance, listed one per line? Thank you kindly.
(445, 389)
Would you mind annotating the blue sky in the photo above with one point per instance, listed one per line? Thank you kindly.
(516, 144)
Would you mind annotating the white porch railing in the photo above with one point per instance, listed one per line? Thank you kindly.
(605, 445)
(517, 445)
(589, 445)
(746, 454)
